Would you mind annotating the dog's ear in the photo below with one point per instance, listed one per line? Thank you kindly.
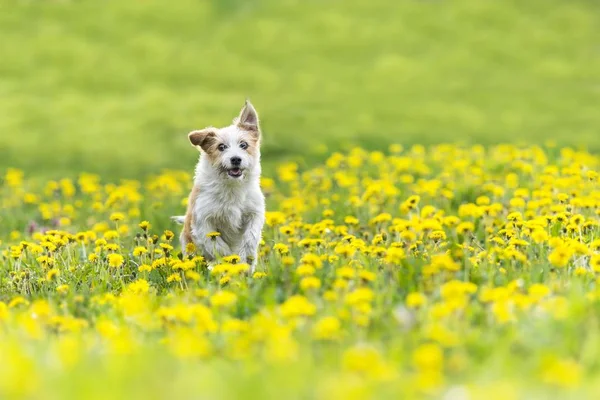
(248, 118)
(203, 138)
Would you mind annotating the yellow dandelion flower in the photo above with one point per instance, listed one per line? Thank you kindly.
(117, 216)
(115, 260)
(145, 226)
(327, 328)
(310, 282)
(223, 298)
(52, 274)
(415, 299)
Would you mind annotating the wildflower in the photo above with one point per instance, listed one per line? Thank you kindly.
(437, 235)
(213, 235)
(223, 298)
(141, 286)
(192, 275)
(305, 270)
(537, 291)
(296, 306)
(395, 255)
(560, 256)
(62, 289)
(327, 328)
(595, 262)
(274, 218)
(144, 268)
(111, 235)
(312, 259)
(159, 262)
(345, 272)
(351, 220)
(17, 301)
(287, 230)
(46, 260)
(428, 357)
(224, 280)
(310, 282)
(562, 373)
(345, 250)
(139, 250)
(111, 247)
(366, 360)
(367, 276)
(115, 260)
(166, 248)
(169, 235)
(281, 248)
(232, 259)
(145, 226)
(359, 295)
(117, 216)
(539, 236)
(220, 269)
(52, 274)
(444, 261)
(381, 218)
(190, 248)
(415, 299)
(465, 227)
(287, 261)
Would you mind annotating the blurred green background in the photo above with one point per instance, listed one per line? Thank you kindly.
(114, 86)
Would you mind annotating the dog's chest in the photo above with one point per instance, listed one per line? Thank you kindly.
(224, 211)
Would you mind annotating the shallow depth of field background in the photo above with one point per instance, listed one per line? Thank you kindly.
(114, 86)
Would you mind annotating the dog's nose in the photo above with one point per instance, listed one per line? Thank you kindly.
(236, 160)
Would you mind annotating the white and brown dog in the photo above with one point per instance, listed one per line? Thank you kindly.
(226, 197)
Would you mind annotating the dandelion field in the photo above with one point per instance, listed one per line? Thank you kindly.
(423, 272)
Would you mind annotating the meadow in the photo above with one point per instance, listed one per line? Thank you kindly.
(449, 272)
(433, 197)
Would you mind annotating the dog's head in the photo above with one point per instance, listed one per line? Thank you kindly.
(235, 149)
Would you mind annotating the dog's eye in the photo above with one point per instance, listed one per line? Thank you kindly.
(243, 145)
(222, 147)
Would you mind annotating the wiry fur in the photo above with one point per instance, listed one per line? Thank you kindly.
(221, 201)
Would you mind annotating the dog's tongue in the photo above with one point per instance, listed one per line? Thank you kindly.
(235, 172)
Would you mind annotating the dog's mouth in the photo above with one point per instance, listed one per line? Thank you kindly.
(235, 172)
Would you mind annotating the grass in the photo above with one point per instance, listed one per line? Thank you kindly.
(113, 87)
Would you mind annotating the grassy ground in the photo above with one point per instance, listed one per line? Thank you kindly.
(114, 86)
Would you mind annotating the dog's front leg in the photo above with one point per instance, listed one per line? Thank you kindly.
(211, 246)
(248, 249)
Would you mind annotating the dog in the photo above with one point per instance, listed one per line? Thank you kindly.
(226, 196)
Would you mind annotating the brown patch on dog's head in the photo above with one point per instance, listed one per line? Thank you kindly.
(253, 142)
(206, 139)
(203, 138)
